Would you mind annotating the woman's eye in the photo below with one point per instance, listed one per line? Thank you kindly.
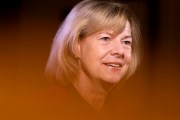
(105, 38)
(127, 43)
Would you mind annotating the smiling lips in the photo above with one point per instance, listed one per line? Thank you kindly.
(114, 64)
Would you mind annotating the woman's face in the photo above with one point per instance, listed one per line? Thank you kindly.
(105, 56)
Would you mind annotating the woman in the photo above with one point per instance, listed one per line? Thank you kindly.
(96, 48)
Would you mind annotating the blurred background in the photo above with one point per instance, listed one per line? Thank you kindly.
(27, 29)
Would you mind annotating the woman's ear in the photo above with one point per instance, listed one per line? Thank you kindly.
(77, 49)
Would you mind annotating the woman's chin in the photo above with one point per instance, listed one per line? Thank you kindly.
(108, 84)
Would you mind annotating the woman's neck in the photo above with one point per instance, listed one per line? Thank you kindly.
(92, 91)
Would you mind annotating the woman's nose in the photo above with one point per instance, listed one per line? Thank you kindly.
(117, 50)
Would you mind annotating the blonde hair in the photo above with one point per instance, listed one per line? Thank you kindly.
(86, 18)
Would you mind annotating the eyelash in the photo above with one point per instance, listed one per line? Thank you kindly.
(127, 42)
(105, 38)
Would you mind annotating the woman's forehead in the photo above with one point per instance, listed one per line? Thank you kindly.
(126, 30)
(127, 27)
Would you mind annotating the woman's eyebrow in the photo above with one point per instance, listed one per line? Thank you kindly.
(127, 36)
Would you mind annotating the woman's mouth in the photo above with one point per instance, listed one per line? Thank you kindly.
(115, 65)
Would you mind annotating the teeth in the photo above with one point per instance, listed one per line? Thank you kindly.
(114, 65)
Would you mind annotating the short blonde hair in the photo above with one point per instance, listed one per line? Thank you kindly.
(86, 18)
